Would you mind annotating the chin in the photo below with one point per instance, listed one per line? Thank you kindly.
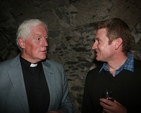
(43, 57)
(98, 59)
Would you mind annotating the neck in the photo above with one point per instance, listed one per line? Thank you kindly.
(113, 65)
(33, 61)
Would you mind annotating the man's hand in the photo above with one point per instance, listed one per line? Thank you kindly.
(112, 107)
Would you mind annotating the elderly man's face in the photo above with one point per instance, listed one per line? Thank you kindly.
(34, 47)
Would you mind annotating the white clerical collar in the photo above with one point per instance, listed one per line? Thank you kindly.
(33, 65)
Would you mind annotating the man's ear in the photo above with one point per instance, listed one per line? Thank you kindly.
(21, 42)
(118, 43)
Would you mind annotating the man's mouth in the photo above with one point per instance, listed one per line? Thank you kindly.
(44, 51)
(96, 52)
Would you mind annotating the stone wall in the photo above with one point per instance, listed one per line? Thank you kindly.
(71, 32)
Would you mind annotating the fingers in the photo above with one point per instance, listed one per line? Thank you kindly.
(112, 107)
(106, 101)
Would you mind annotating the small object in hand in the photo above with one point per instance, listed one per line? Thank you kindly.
(108, 95)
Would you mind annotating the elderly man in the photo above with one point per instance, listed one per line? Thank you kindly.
(29, 83)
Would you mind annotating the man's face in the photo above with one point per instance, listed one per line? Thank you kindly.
(104, 50)
(34, 47)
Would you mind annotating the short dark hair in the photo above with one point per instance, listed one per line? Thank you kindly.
(116, 28)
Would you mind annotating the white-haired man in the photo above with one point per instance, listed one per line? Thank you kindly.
(29, 83)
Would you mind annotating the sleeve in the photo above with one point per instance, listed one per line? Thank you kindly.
(66, 104)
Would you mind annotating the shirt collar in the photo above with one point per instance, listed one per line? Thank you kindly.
(128, 65)
(27, 63)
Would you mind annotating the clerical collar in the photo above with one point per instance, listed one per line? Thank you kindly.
(27, 63)
(33, 65)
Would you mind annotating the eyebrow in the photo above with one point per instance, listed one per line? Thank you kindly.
(96, 38)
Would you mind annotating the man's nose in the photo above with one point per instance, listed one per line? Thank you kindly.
(45, 42)
(94, 46)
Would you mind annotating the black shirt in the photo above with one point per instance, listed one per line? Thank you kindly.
(36, 87)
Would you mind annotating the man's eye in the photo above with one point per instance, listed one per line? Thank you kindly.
(38, 38)
(98, 41)
(46, 39)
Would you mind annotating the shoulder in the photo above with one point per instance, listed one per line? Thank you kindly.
(96, 70)
(137, 62)
(8, 64)
(54, 67)
(5, 63)
(11, 62)
(93, 73)
(52, 64)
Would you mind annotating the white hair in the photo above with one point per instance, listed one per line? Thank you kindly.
(24, 28)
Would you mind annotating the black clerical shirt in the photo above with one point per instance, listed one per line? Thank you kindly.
(36, 87)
